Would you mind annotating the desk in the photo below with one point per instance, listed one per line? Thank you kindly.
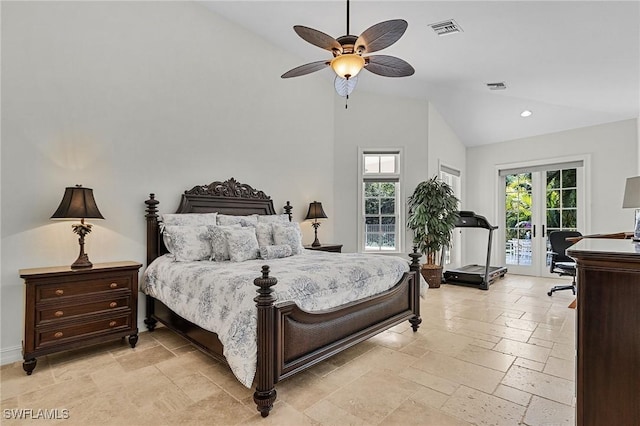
(608, 331)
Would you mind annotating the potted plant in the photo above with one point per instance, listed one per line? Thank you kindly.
(433, 212)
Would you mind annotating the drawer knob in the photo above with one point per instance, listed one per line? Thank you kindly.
(113, 285)
(58, 335)
(59, 292)
(112, 324)
(59, 313)
(113, 304)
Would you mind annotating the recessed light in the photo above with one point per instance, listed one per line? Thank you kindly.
(525, 113)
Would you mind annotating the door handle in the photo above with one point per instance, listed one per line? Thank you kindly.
(543, 234)
(534, 231)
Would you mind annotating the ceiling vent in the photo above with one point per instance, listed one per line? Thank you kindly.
(497, 86)
(446, 27)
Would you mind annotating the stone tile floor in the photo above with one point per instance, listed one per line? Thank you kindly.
(498, 357)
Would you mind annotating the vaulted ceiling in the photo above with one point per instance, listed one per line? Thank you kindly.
(571, 63)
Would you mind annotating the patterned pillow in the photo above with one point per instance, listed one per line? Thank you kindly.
(219, 245)
(189, 219)
(264, 233)
(275, 252)
(227, 220)
(289, 234)
(188, 243)
(243, 244)
(271, 218)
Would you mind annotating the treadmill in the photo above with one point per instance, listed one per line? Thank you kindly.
(479, 276)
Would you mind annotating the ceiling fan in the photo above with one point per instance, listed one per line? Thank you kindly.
(347, 52)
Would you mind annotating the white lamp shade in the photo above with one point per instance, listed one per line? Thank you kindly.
(632, 193)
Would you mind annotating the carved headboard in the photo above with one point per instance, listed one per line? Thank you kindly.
(228, 197)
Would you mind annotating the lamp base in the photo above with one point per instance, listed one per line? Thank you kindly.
(316, 242)
(82, 262)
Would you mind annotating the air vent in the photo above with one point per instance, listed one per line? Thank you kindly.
(497, 86)
(446, 27)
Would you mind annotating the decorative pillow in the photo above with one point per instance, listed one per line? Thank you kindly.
(275, 252)
(189, 219)
(227, 220)
(188, 243)
(243, 244)
(264, 233)
(289, 234)
(219, 245)
(271, 218)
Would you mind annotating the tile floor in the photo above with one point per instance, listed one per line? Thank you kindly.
(498, 357)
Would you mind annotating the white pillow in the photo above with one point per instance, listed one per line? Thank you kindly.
(243, 244)
(188, 243)
(275, 252)
(227, 220)
(264, 233)
(219, 245)
(189, 219)
(289, 234)
(271, 218)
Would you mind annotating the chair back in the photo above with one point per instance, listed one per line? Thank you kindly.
(559, 244)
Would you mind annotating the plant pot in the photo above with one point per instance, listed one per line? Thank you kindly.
(432, 274)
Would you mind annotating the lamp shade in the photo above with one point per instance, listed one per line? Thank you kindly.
(77, 203)
(347, 65)
(316, 211)
(632, 193)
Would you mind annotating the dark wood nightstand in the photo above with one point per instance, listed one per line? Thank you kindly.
(335, 248)
(68, 308)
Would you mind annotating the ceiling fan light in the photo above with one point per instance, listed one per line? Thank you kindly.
(348, 65)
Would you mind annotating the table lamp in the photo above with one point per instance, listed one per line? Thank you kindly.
(632, 200)
(78, 203)
(316, 212)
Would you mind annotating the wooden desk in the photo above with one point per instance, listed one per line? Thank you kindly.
(608, 332)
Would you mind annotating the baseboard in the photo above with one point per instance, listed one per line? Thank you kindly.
(10, 355)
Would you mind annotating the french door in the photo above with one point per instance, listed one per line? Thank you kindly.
(452, 256)
(537, 201)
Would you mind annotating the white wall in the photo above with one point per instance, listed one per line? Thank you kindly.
(130, 98)
(444, 146)
(613, 149)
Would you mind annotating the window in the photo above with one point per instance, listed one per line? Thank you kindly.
(380, 201)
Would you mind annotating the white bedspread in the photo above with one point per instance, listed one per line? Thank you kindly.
(218, 296)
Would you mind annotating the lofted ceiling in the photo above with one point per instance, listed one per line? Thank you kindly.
(572, 63)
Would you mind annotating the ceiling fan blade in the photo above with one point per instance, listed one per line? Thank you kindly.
(306, 69)
(380, 35)
(343, 86)
(388, 66)
(318, 38)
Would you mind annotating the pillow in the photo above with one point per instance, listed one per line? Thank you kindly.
(189, 219)
(227, 220)
(264, 233)
(188, 243)
(243, 244)
(271, 218)
(219, 245)
(289, 234)
(275, 252)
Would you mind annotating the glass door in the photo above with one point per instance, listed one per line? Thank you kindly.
(538, 202)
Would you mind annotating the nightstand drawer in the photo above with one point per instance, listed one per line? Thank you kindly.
(71, 288)
(86, 330)
(69, 311)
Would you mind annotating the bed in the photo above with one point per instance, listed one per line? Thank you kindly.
(288, 339)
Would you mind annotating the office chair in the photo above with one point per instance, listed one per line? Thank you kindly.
(562, 264)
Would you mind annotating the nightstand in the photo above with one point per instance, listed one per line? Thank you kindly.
(68, 308)
(335, 248)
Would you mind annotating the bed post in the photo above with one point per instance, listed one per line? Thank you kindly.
(415, 267)
(287, 210)
(152, 251)
(265, 393)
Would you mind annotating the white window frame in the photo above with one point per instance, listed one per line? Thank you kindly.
(399, 202)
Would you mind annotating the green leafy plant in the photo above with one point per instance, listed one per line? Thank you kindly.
(433, 212)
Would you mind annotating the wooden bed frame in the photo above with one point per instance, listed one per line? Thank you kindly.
(289, 339)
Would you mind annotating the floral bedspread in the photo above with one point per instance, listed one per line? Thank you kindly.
(218, 296)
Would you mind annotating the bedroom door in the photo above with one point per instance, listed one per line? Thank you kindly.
(537, 202)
